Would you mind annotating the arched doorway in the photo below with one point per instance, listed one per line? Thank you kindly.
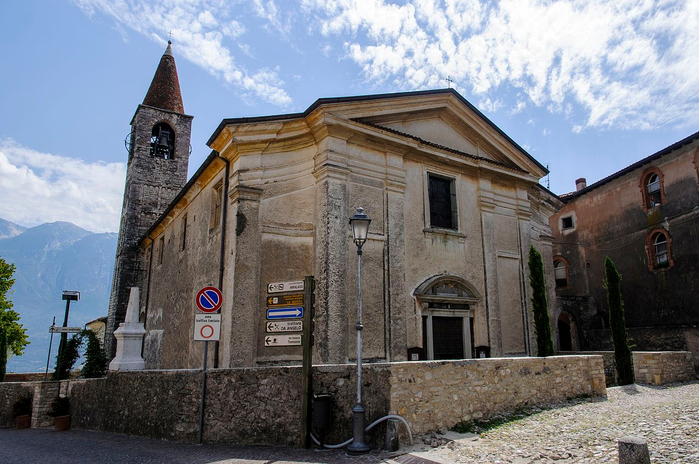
(567, 332)
(447, 317)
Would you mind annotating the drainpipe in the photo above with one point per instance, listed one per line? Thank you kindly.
(221, 261)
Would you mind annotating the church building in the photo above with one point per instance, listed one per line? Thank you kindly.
(455, 205)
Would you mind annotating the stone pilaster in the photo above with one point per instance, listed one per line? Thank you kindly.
(332, 245)
(240, 310)
(396, 317)
(487, 207)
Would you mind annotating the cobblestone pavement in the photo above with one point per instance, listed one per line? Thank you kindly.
(580, 431)
(586, 431)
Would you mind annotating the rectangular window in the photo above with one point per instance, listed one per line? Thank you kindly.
(567, 222)
(161, 249)
(216, 202)
(442, 197)
(183, 244)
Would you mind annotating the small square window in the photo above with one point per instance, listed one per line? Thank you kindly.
(567, 222)
(442, 198)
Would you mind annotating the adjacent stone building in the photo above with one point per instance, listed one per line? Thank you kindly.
(645, 218)
(454, 202)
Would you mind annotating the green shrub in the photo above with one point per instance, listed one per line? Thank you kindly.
(23, 406)
(95, 357)
(60, 406)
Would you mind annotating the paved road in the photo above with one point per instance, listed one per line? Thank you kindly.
(44, 445)
(581, 431)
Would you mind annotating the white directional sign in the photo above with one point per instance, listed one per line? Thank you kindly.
(278, 287)
(55, 329)
(284, 326)
(207, 327)
(283, 340)
(284, 313)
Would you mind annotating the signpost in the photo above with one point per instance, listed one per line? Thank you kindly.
(207, 327)
(285, 313)
(279, 287)
(284, 326)
(61, 330)
(283, 340)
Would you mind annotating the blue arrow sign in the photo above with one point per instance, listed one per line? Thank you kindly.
(285, 313)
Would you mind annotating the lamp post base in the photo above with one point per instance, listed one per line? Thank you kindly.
(358, 445)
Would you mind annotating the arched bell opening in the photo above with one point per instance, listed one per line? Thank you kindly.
(162, 141)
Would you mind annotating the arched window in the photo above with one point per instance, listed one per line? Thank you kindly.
(560, 272)
(162, 141)
(652, 188)
(660, 249)
(658, 245)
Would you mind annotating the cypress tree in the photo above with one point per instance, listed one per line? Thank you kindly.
(540, 307)
(95, 357)
(617, 321)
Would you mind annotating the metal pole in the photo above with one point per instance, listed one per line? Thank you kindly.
(48, 359)
(64, 340)
(203, 393)
(358, 445)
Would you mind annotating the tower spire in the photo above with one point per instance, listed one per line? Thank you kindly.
(164, 91)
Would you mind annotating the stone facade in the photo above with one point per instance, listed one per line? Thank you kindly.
(152, 183)
(262, 406)
(614, 217)
(294, 182)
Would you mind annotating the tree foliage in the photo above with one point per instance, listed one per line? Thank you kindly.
(65, 360)
(540, 307)
(13, 336)
(617, 321)
(95, 357)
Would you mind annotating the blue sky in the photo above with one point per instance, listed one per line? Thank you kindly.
(587, 87)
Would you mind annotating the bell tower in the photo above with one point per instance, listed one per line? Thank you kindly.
(158, 157)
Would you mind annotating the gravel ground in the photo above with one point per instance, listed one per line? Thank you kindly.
(586, 431)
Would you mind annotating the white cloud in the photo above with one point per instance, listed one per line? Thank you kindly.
(627, 63)
(197, 31)
(40, 187)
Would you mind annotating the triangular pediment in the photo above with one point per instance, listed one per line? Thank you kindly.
(440, 118)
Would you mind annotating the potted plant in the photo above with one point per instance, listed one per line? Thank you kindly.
(60, 410)
(22, 411)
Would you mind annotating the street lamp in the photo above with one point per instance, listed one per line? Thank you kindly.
(360, 230)
(68, 296)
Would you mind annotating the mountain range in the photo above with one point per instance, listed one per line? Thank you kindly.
(49, 259)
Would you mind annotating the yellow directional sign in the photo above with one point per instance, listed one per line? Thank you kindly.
(285, 300)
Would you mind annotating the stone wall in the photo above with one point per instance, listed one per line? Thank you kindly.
(438, 395)
(659, 368)
(652, 368)
(262, 405)
(9, 393)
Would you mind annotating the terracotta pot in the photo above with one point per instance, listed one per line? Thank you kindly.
(62, 423)
(24, 422)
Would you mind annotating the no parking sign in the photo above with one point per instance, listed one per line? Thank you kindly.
(207, 327)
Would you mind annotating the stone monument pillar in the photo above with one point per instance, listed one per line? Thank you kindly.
(129, 337)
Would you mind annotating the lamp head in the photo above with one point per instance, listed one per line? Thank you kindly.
(71, 295)
(360, 226)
